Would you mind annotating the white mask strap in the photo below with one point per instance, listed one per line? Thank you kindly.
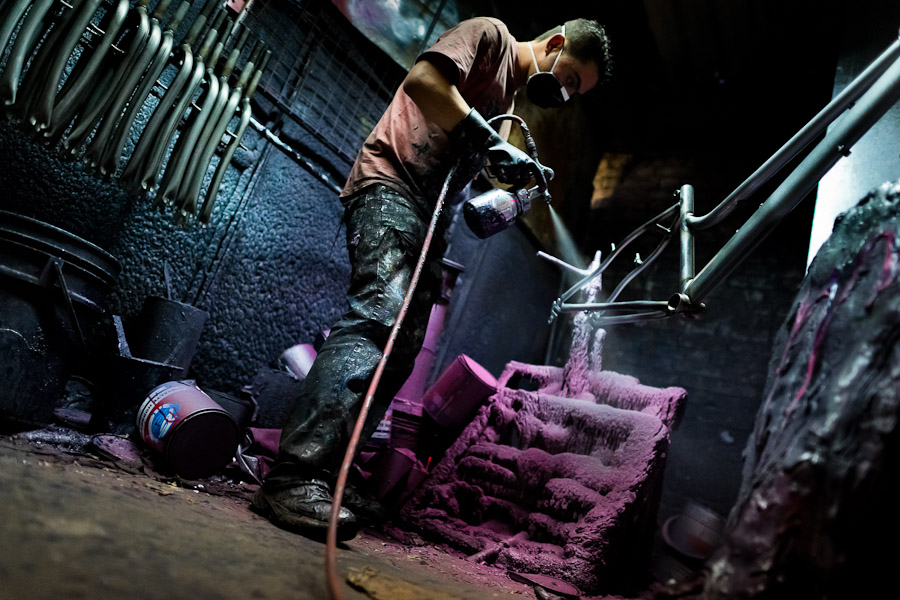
(537, 69)
(560, 51)
(565, 94)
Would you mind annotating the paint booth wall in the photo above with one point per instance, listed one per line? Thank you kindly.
(264, 268)
(874, 157)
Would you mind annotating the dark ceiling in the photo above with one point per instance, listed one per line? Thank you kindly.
(687, 67)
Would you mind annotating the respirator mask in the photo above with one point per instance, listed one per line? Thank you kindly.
(543, 88)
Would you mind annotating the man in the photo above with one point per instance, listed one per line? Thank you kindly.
(436, 119)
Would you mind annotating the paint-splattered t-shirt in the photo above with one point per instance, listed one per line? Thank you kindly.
(405, 151)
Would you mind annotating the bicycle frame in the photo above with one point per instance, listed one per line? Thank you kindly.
(861, 104)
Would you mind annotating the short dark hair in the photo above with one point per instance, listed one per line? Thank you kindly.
(586, 40)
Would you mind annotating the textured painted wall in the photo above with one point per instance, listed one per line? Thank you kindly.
(266, 268)
(281, 278)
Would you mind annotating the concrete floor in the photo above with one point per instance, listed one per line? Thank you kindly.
(77, 525)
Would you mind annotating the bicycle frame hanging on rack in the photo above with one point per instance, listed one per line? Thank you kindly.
(865, 100)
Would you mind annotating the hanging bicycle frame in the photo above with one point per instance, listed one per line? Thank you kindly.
(861, 104)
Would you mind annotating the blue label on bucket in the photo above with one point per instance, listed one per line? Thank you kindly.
(162, 419)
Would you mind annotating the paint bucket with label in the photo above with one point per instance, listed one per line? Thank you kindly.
(197, 437)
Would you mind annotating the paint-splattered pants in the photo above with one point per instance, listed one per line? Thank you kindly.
(385, 234)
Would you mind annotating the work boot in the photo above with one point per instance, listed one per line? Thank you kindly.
(304, 509)
(363, 505)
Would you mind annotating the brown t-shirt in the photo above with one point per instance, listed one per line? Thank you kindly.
(405, 151)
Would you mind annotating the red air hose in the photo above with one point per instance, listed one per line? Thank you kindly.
(331, 576)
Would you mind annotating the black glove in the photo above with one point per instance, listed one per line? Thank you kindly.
(473, 142)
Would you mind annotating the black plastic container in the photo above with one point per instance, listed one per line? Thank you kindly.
(52, 288)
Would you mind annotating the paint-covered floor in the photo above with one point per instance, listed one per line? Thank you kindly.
(79, 525)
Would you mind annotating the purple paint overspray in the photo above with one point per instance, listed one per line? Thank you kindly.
(563, 480)
(817, 497)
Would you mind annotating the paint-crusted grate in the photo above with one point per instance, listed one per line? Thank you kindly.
(335, 90)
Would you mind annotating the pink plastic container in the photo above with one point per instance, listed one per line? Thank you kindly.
(394, 466)
(460, 390)
(298, 360)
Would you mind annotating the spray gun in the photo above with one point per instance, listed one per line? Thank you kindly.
(497, 209)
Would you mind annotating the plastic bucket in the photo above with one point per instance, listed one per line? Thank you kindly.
(52, 286)
(167, 331)
(122, 389)
(406, 424)
(458, 392)
(298, 360)
(197, 437)
(391, 470)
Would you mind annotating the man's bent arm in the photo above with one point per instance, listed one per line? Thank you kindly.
(437, 98)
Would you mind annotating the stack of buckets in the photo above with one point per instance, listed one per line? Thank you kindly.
(196, 432)
(448, 405)
(52, 288)
(404, 439)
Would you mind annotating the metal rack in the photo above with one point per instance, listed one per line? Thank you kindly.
(86, 74)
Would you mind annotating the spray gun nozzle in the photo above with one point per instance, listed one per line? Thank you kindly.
(547, 174)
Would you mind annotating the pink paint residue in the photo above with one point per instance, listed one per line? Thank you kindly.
(544, 482)
(819, 337)
(888, 266)
(835, 299)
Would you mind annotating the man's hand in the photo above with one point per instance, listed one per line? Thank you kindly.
(474, 143)
(508, 164)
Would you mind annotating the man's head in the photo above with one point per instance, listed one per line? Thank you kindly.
(576, 53)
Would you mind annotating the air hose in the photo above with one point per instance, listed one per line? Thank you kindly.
(331, 576)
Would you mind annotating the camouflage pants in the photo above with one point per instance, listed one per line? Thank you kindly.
(385, 234)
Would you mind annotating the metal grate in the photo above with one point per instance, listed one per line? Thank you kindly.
(334, 89)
